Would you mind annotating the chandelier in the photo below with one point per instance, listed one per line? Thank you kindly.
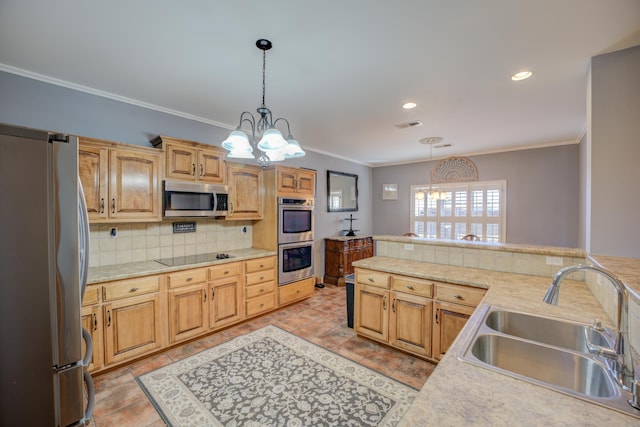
(432, 193)
(271, 145)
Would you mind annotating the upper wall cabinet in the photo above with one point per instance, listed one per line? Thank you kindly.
(245, 191)
(295, 182)
(192, 161)
(121, 183)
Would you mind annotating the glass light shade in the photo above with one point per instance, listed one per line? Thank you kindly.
(420, 195)
(276, 155)
(237, 139)
(241, 153)
(293, 150)
(272, 140)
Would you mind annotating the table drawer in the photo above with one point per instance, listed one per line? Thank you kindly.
(130, 287)
(225, 270)
(259, 304)
(260, 289)
(460, 294)
(259, 277)
(372, 278)
(411, 285)
(186, 277)
(260, 264)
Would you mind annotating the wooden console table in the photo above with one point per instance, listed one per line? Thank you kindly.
(340, 252)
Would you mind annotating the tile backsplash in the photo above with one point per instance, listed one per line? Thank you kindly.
(137, 242)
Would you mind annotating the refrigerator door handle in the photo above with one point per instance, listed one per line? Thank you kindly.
(91, 398)
(84, 235)
(89, 347)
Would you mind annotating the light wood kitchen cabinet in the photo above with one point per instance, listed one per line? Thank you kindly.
(295, 182)
(188, 307)
(453, 306)
(91, 315)
(192, 161)
(340, 252)
(245, 191)
(121, 183)
(225, 295)
(260, 285)
(132, 317)
(296, 291)
(413, 314)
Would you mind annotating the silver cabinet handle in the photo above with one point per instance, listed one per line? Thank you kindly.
(458, 297)
(133, 289)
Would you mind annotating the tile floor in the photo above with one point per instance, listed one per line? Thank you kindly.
(320, 319)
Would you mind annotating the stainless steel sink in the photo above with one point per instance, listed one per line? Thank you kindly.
(571, 371)
(559, 333)
(545, 351)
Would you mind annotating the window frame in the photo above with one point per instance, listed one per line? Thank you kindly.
(417, 222)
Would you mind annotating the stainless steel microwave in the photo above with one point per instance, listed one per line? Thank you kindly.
(194, 199)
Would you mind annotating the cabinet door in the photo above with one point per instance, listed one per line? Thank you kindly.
(188, 312)
(211, 167)
(226, 302)
(286, 180)
(448, 320)
(410, 323)
(134, 185)
(132, 327)
(93, 167)
(371, 314)
(245, 192)
(181, 162)
(92, 323)
(306, 183)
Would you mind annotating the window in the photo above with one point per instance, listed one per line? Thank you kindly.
(467, 208)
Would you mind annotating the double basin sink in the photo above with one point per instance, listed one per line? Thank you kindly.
(549, 352)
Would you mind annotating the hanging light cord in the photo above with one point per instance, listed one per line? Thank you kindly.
(264, 67)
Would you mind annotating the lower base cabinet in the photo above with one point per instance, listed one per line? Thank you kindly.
(405, 312)
(131, 318)
(296, 291)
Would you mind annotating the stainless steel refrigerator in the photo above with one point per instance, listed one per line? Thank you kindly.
(43, 263)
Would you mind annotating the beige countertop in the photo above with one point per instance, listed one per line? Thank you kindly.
(146, 268)
(459, 393)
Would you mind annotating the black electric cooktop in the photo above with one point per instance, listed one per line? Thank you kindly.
(193, 259)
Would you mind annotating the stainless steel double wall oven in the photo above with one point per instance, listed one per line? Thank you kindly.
(295, 239)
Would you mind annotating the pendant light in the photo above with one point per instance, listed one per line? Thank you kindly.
(272, 146)
(432, 193)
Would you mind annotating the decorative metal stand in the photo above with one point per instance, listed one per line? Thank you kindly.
(351, 231)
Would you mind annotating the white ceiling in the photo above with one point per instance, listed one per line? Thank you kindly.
(339, 70)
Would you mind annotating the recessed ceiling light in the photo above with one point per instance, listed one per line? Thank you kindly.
(521, 75)
(409, 105)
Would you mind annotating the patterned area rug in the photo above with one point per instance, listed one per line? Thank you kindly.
(270, 377)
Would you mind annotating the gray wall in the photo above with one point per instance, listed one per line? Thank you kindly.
(32, 103)
(614, 129)
(542, 193)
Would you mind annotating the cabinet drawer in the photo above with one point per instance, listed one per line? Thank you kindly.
(259, 277)
(91, 295)
(411, 285)
(460, 294)
(259, 264)
(260, 289)
(260, 304)
(225, 270)
(186, 277)
(131, 287)
(372, 278)
(295, 291)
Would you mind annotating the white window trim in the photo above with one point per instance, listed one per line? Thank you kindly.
(499, 184)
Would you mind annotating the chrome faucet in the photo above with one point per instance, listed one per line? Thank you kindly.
(621, 356)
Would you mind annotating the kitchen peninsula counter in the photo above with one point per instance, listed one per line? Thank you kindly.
(459, 393)
(146, 268)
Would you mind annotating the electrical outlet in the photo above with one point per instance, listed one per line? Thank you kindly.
(408, 247)
(113, 232)
(554, 260)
